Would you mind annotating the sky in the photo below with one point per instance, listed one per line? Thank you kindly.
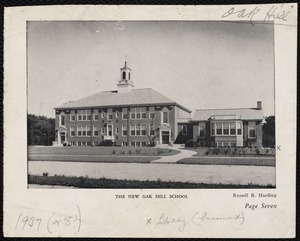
(198, 64)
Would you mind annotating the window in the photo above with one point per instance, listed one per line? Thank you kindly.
(117, 113)
(152, 132)
(72, 115)
(72, 131)
(138, 129)
(151, 115)
(132, 143)
(62, 120)
(73, 143)
(84, 115)
(88, 131)
(143, 143)
(79, 143)
(132, 116)
(124, 75)
(117, 130)
(110, 116)
(138, 144)
(219, 128)
(95, 130)
(124, 143)
(239, 128)
(184, 130)
(225, 128)
(124, 116)
(124, 130)
(251, 131)
(102, 114)
(232, 128)
(143, 113)
(166, 117)
(102, 130)
(96, 116)
(138, 113)
(132, 130)
(143, 130)
(201, 129)
(129, 75)
(78, 130)
(83, 129)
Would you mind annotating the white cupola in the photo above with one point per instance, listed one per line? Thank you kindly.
(125, 84)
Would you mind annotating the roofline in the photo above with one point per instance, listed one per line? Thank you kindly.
(114, 106)
(229, 109)
(229, 120)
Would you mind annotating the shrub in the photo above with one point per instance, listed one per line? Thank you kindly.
(129, 152)
(216, 151)
(235, 151)
(267, 151)
(160, 151)
(122, 152)
(45, 174)
(138, 151)
(113, 152)
(257, 151)
(244, 151)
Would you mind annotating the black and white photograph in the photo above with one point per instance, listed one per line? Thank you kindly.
(150, 121)
(150, 104)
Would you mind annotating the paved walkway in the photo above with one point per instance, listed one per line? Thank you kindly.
(175, 158)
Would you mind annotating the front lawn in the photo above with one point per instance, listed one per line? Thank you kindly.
(245, 161)
(233, 151)
(87, 158)
(86, 182)
(100, 150)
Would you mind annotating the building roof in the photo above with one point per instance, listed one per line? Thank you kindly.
(244, 113)
(135, 97)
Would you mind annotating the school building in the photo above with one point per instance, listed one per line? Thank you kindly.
(142, 117)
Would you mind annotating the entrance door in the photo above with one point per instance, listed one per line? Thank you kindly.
(62, 137)
(165, 137)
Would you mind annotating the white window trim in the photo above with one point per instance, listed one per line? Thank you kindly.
(151, 112)
(117, 113)
(71, 131)
(236, 128)
(123, 115)
(251, 137)
(123, 130)
(162, 117)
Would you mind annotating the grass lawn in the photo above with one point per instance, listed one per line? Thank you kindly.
(201, 151)
(103, 150)
(253, 161)
(86, 182)
(112, 159)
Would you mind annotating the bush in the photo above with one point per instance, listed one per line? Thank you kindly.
(113, 152)
(257, 151)
(138, 151)
(45, 174)
(129, 152)
(122, 152)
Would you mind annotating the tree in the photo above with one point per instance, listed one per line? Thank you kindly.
(40, 130)
(269, 132)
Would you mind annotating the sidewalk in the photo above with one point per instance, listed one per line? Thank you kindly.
(175, 158)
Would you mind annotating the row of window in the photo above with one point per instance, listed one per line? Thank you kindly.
(225, 128)
(135, 130)
(83, 115)
(95, 143)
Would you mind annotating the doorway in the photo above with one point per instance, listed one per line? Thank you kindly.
(165, 137)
